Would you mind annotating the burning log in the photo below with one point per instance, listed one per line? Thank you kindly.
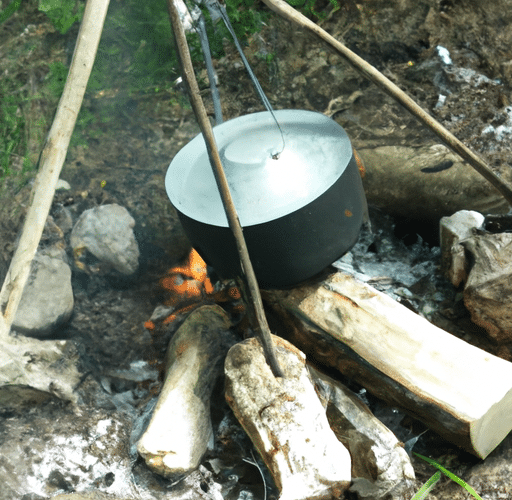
(460, 391)
(180, 429)
(286, 422)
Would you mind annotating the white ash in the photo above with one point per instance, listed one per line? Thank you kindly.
(402, 272)
(444, 54)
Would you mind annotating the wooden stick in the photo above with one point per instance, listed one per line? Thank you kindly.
(51, 161)
(367, 70)
(222, 183)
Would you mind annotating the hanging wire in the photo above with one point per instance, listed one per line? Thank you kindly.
(218, 11)
(205, 47)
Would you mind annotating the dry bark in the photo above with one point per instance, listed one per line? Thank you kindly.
(489, 285)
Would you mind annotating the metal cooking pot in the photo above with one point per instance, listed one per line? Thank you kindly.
(296, 188)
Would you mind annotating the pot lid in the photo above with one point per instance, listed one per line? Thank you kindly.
(266, 180)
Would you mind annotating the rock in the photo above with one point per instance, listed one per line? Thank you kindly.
(286, 422)
(31, 370)
(107, 233)
(381, 467)
(47, 300)
(489, 285)
(180, 429)
(452, 230)
(425, 182)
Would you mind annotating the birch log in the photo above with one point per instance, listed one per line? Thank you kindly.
(460, 391)
(180, 429)
(51, 161)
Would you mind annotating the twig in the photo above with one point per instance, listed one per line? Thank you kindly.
(257, 465)
(222, 183)
(367, 70)
(51, 161)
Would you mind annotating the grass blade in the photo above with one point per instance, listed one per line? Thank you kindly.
(427, 487)
(451, 475)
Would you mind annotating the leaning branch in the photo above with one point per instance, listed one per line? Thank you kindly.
(51, 161)
(254, 298)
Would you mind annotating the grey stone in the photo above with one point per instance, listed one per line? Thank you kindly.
(107, 233)
(47, 300)
(31, 370)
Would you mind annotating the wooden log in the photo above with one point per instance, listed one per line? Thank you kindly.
(51, 161)
(460, 391)
(381, 468)
(180, 429)
(453, 230)
(489, 284)
(286, 422)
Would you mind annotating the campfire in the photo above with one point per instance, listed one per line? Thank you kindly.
(341, 324)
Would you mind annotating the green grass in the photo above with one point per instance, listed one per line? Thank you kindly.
(427, 487)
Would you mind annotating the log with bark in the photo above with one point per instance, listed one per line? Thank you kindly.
(458, 390)
(286, 422)
(489, 284)
(180, 429)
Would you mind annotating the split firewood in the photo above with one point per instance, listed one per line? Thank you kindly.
(489, 285)
(452, 230)
(286, 422)
(180, 429)
(381, 467)
(460, 391)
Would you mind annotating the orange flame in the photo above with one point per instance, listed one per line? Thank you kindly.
(188, 285)
(360, 164)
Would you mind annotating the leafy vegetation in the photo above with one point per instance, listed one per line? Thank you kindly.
(63, 13)
(313, 8)
(135, 58)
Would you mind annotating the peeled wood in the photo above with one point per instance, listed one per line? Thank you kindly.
(180, 429)
(286, 422)
(381, 468)
(460, 391)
